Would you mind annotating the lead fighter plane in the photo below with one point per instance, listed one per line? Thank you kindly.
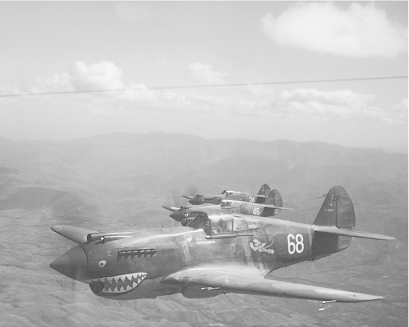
(215, 254)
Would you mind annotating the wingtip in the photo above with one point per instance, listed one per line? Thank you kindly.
(56, 228)
(345, 296)
(368, 297)
(390, 238)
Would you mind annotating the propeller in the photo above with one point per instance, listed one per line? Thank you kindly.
(177, 201)
(191, 190)
(174, 200)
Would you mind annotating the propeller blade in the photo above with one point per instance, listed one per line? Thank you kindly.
(173, 209)
(191, 190)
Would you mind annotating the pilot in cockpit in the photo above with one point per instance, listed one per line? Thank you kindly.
(226, 204)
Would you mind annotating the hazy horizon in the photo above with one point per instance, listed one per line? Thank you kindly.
(391, 149)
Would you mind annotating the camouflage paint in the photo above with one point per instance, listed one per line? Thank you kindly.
(117, 269)
(217, 248)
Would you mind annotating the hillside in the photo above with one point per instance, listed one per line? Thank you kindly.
(120, 181)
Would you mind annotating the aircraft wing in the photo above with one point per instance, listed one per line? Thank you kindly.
(76, 234)
(249, 281)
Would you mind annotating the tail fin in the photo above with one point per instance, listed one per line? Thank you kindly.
(335, 224)
(274, 198)
(263, 193)
(337, 210)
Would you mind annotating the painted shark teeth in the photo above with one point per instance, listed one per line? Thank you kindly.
(119, 284)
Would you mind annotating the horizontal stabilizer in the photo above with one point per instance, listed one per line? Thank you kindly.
(187, 197)
(275, 207)
(351, 232)
(75, 234)
(237, 280)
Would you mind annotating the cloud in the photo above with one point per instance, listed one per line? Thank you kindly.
(343, 105)
(352, 102)
(204, 73)
(361, 30)
(258, 101)
(132, 12)
(102, 76)
(399, 112)
(39, 84)
(81, 77)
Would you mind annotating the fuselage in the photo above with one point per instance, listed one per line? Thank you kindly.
(186, 214)
(132, 267)
(232, 195)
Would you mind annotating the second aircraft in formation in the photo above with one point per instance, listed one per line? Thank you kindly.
(265, 203)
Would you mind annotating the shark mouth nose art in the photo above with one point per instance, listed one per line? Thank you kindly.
(120, 284)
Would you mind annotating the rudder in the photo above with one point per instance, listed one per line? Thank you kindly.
(337, 210)
(264, 191)
(273, 198)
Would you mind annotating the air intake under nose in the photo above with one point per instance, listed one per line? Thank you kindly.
(177, 215)
(72, 263)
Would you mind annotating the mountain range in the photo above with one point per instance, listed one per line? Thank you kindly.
(119, 181)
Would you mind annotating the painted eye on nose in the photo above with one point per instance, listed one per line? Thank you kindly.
(102, 263)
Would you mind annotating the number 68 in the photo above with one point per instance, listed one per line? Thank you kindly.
(297, 246)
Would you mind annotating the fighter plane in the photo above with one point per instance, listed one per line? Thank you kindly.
(233, 195)
(215, 254)
(272, 206)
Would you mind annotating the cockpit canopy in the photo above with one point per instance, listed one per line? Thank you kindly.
(229, 194)
(223, 224)
(226, 204)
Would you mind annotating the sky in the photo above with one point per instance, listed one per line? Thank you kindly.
(144, 46)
